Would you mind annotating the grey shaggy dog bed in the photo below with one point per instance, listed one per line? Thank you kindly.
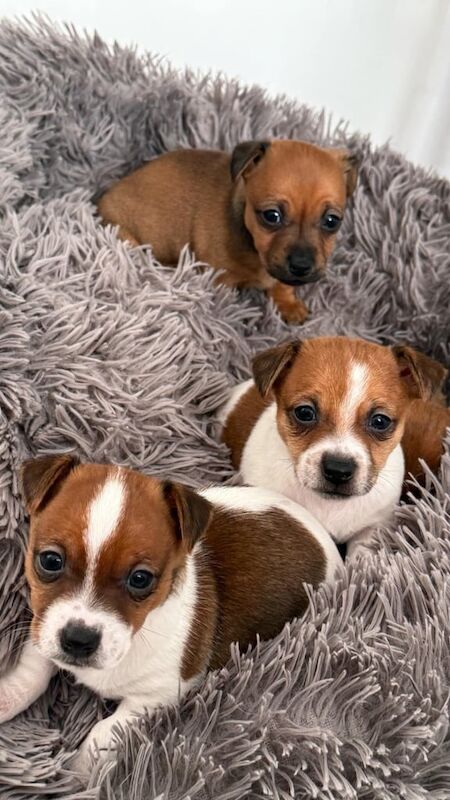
(106, 353)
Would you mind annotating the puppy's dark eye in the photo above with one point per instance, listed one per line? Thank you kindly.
(380, 423)
(272, 217)
(49, 564)
(330, 222)
(140, 582)
(305, 414)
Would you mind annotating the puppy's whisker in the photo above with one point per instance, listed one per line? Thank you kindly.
(16, 649)
(154, 633)
(145, 637)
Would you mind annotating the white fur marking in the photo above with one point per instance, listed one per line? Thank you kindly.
(103, 516)
(308, 465)
(346, 517)
(356, 390)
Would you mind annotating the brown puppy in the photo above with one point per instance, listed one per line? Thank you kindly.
(267, 215)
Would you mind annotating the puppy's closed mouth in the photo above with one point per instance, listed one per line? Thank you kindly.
(331, 495)
(342, 494)
(66, 663)
(299, 281)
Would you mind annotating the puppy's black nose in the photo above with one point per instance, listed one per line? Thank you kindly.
(79, 641)
(301, 261)
(337, 470)
(300, 266)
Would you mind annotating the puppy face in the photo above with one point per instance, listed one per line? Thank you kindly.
(107, 547)
(294, 200)
(341, 406)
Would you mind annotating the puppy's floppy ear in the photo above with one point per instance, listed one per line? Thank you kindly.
(42, 478)
(270, 364)
(245, 156)
(191, 513)
(351, 162)
(422, 376)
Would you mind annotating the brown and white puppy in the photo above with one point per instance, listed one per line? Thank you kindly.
(323, 422)
(267, 215)
(138, 585)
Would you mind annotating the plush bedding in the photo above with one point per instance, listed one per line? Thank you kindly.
(107, 353)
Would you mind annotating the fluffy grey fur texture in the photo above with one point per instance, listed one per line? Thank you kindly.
(105, 352)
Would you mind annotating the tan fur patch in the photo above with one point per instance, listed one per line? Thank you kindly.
(200, 642)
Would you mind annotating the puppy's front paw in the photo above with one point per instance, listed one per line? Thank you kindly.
(360, 545)
(20, 687)
(7, 705)
(82, 761)
(294, 313)
(291, 308)
(100, 744)
(13, 700)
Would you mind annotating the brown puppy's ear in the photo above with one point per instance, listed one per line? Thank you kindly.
(351, 163)
(423, 376)
(245, 157)
(269, 365)
(42, 478)
(190, 512)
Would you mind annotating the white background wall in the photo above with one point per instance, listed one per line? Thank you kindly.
(384, 65)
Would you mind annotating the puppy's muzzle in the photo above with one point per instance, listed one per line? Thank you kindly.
(78, 641)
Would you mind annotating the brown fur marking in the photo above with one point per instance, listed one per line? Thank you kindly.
(240, 422)
(260, 563)
(425, 427)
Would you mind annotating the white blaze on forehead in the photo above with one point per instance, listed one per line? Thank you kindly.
(357, 382)
(104, 515)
